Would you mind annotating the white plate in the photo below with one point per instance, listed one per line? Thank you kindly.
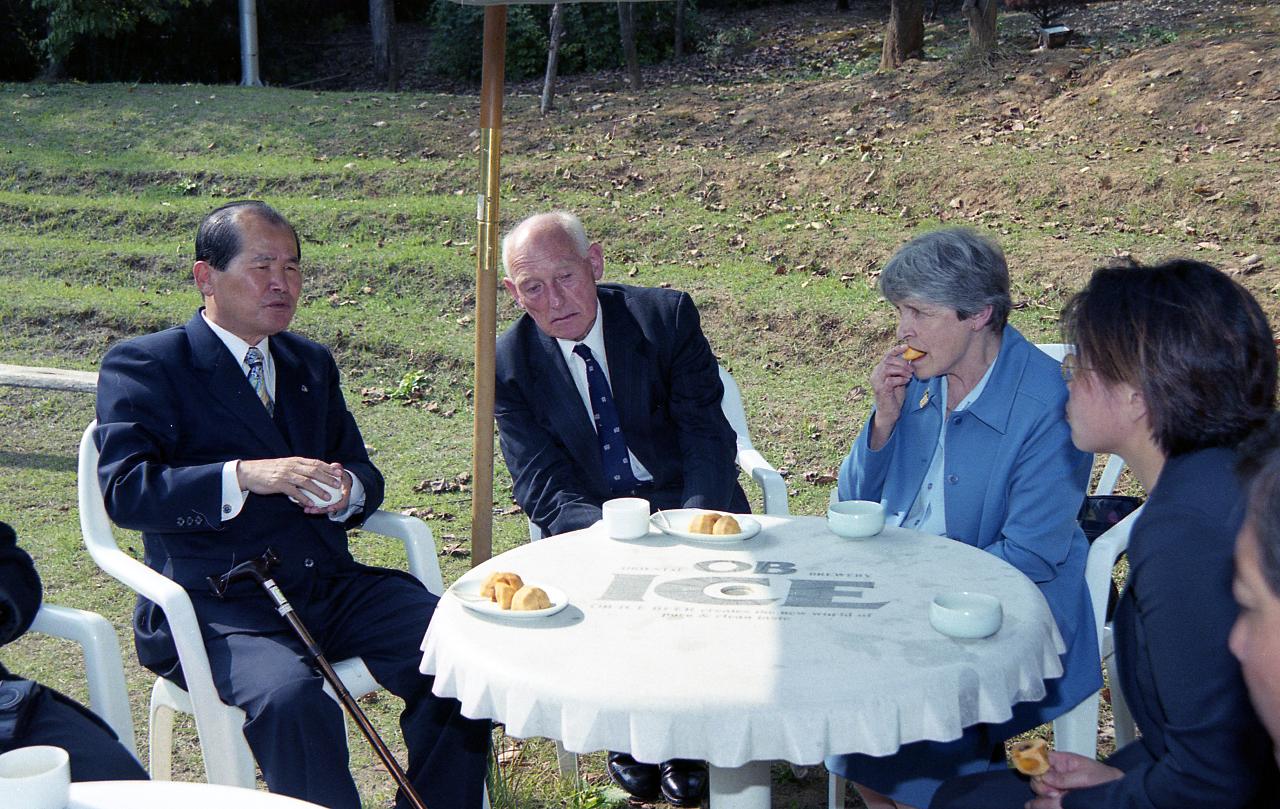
(468, 592)
(676, 523)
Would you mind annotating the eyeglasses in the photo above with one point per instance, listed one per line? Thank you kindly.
(1071, 366)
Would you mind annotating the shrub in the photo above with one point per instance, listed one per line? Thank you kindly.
(1046, 11)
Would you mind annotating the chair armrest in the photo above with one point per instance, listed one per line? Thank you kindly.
(767, 478)
(104, 667)
(419, 545)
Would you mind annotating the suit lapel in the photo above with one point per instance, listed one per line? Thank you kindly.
(225, 383)
(628, 355)
(565, 407)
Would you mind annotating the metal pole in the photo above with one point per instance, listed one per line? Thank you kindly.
(249, 44)
(487, 224)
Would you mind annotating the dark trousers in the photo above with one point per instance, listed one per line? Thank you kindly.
(96, 755)
(296, 731)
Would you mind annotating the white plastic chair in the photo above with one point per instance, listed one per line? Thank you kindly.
(772, 486)
(227, 759)
(104, 667)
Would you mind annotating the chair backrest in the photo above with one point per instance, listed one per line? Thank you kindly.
(734, 412)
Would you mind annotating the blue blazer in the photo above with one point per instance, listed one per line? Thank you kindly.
(172, 408)
(667, 388)
(1014, 485)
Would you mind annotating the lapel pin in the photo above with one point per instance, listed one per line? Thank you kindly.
(304, 389)
(924, 400)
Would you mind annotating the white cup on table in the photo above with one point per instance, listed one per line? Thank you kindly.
(626, 517)
(37, 777)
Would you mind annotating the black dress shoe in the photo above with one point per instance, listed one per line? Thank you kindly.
(639, 780)
(684, 782)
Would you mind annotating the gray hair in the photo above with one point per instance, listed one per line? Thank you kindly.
(567, 222)
(953, 267)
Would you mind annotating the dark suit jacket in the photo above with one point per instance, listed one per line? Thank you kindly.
(667, 388)
(172, 408)
(20, 590)
(1201, 743)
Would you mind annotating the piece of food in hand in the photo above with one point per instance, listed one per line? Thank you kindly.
(912, 354)
(704, 523)
(1030, 757)
(726, 525)
(510, 579)
(504, 593)
(530, 598)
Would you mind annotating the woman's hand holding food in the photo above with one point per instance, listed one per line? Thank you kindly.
(889, 385)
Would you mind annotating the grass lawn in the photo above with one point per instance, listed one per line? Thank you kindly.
(771, 191)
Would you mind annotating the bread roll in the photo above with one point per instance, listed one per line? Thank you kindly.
(1030, 756)
(503, 593)
(704, 523)
(530, 598)
(726, 525)
(510, 579)
(912, 354)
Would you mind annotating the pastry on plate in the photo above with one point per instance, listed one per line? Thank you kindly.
(510, 579)
(530, 598)
(704, 523)
(726, 525)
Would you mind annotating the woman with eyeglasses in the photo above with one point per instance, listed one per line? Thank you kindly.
(967, 440)
(1174, 367)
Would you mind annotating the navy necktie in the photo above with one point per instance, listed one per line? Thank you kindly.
(613, 446)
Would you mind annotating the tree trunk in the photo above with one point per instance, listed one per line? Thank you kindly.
(842, 5)
(627, 28)
(982, 26)
(904, 36)
(382, 24)
(553, 57)
(679, 51)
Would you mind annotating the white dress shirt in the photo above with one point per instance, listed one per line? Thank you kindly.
(233, 496)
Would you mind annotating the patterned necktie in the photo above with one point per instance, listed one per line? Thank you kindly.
(613, 446)
(258, 378)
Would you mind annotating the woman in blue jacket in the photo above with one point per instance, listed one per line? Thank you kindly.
(1175, 366)
(967, 440)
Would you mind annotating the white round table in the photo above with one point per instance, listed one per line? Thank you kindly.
(792, 645)
(174, 795)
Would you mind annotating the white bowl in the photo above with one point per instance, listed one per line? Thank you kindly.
(853, 519)
(966, 615)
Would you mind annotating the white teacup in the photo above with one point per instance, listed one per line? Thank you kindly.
(626, 517)
(854, 519)
(36, 777)
(966, 615)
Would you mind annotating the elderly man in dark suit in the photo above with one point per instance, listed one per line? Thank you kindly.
(227, 435)
(31, 713)
(608, 391)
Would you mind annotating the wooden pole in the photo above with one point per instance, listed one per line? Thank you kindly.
(487, 224)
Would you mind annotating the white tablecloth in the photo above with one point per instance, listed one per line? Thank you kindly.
(174, 795)
(793, 645)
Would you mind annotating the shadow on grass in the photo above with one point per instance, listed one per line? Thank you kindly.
(38, 460)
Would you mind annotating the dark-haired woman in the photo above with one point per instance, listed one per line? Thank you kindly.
(1174, 367)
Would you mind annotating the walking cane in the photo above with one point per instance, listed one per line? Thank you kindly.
(257, 570)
